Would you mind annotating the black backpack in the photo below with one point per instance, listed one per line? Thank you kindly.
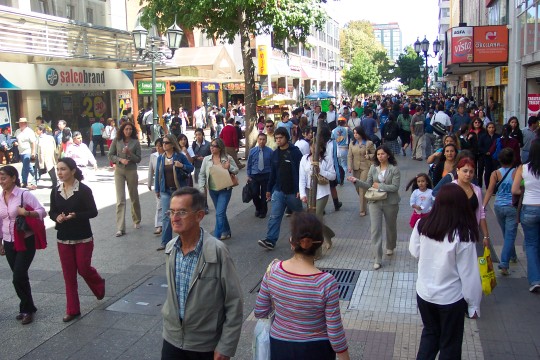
(391, 131)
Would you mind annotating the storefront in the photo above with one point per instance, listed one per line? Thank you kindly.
(496, 83)
(76, 94)
(181, 95)
(210, 93)
(144, 98)
(234, 92)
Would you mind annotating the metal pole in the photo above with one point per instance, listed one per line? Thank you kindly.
(335, 83)
(426, 74)
(155, 117)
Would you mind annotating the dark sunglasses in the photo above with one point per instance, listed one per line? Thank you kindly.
(166, 142)
(269, 126)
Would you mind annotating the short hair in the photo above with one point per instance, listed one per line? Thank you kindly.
(269, 121)
(198, 200)
(282, 131)
(62, 122)
(285, 113)
(158, 141)
(532, 120)
(263, 135)
(42, 128)
(506, 156)
(77, 133)
(230, 120)
(464, 162)
(306, 233)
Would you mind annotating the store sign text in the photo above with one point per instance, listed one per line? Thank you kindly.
(71, 77)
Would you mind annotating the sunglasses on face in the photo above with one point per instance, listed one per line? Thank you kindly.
(166, 142)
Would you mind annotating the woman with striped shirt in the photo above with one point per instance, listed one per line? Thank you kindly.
(307, 322)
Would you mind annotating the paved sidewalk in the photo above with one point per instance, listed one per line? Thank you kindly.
(381, 318)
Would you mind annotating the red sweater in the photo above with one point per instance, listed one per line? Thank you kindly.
(229, 136)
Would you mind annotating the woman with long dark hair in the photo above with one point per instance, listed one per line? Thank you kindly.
(307, 322)
(72, 207)
(359, 160)
(383, 175)
(20, 247)
(125, 153)
(448, 283)
(529, 173)
(404, 122)
(446, 163)
(486, 164)
(172, 172)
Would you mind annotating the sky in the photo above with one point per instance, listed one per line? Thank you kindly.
(415, 18)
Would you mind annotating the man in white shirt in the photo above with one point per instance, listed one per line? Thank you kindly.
(148, 121)
(442, 117)
(27, 140)
(198, 116)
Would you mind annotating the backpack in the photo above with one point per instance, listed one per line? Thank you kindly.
(391, 131)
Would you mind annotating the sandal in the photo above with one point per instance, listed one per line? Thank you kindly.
(158, 231)
(362, 213)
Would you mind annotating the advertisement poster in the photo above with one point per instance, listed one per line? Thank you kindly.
(5, 120)
(94, 106)
(533, 105)
(490, 44)
(462, 45)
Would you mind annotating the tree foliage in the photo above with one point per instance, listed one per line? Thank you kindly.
(225, 19)
(362, 78)
(408, 67)
(356, 38)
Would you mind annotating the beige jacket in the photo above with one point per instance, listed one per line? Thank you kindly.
(46, 148)
(356, 159)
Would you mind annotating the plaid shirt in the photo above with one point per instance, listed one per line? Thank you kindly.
(185, 267)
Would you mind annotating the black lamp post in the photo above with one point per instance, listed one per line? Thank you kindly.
(424, 48)
(140, 37)
(333, 66)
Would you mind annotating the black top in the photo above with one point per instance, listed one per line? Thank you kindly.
(82, 204)
(285, 170)
(473, 201)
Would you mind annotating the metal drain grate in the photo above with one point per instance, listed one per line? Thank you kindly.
(346, 280)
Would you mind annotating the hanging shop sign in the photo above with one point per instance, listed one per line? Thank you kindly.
(462, 45)
(533, 105)
(477, 44)
(234, 86)
(5, 119)
(209, 87)
(262, 56)
(15, 76)
(181, 87)
(145, 87)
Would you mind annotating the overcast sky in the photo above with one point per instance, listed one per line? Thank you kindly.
(415, 18)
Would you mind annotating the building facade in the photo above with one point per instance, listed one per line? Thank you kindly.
(389, 35)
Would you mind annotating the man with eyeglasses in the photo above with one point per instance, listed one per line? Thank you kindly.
(202, 314)
(270, 141)
(282, 187)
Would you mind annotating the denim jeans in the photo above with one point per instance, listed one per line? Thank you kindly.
(221, 200)
(342, 158)
(166, 228)
(279, 202)
(530, 221)
(27, 168)
(507, 218)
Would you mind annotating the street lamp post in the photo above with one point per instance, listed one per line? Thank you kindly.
(140, 37)
(424, 48)
(333, 66)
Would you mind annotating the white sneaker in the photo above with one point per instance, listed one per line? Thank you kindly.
(376, 266)
(534, 288)
(389, 252)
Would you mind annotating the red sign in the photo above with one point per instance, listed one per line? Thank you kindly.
(491, 44)
(533, 105)
(462, 45)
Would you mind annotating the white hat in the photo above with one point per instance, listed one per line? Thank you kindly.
(23, 120)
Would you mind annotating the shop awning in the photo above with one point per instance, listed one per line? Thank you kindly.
(309, 73)
(280, 68)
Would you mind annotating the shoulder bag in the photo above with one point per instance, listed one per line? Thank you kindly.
(20, 220)
(106, 135)
(221, 178)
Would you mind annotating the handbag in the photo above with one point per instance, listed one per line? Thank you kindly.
(20, 220)
(373, 194)
(247, 196)
(105, 135)
(221, 178)
(321, 180)
(234, 180)
(487, 274)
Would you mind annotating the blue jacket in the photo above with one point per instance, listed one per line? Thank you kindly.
(253, 160)
(274, 184)
(159, 180)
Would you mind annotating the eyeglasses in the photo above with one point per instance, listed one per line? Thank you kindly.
(166, 142)
(269, 126)
(179, 213)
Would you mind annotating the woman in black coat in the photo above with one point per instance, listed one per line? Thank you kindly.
(486, 165)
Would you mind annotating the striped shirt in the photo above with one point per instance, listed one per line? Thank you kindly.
(185, 267)
(306, 307)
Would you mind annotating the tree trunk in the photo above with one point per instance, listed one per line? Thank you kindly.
(250, 97)
(312, 196)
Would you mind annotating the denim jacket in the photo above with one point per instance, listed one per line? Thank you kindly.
(159, 181)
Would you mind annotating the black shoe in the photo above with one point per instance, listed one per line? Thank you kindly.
(262, 215)
(337, 205)
(266, 244)
(257, 213)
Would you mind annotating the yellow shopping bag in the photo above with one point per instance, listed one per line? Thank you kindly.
(487, 274)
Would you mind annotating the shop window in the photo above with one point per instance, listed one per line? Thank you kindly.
(41, 6)
(70, 12)
(530, 29)
(90, 15)
(521, 30)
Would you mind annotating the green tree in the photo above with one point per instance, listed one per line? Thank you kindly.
(225, 19)
(408, 66)
(362, 78)
(417, 83)
(384, 69)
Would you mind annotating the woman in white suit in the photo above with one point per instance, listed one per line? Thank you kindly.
(383, 176)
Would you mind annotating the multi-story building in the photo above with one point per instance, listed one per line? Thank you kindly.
(389, 35)
(64, 60)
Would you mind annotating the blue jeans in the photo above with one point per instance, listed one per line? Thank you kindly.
(166, 228)
(26, 168)
(507, 218)
(530, 221)
(342, 159)
(279, 202)
(221, 200)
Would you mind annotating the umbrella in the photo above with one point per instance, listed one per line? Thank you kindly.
(276, 99)
(414, 92)
(320, 95)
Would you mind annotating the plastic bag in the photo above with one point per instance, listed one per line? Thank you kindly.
(487, 274)
(261, 340)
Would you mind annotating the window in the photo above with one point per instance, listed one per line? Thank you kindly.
(70, 12)
(89, 15)
(41, 6)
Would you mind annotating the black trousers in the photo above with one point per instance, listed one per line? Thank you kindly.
(98, 140)
(312, 350)
(443, 330)
(171, 352)
(19, 262)
(259, 185)
(54, 179)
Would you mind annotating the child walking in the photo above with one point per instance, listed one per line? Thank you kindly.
(421, 197)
